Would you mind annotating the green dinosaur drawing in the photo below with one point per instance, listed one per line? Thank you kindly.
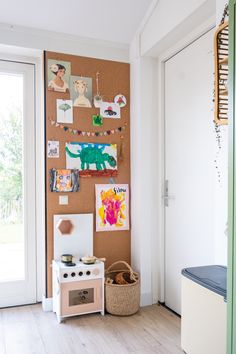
(93, 155)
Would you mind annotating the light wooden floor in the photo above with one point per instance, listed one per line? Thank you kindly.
(29, 330)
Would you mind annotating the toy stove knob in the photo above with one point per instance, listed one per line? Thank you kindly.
(80, 274)
(65, 275)
(73, 274)
(88, 272)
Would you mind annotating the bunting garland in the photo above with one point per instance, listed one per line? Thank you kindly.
(86, 133)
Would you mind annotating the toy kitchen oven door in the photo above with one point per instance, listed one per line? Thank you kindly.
(77, 288)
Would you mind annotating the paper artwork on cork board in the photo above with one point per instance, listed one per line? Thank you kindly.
(81, 91)
(64, 111)
(110, 110)
(58, 75)
(112, 207)
(64, 180)
(92, 159)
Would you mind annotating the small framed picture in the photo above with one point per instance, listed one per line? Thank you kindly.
(109, 110)
(58, 75)
(64, 111)
(62, 180)
(53, 149)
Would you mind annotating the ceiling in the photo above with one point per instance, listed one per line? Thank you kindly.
(109, 20)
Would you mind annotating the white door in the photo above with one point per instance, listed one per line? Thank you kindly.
(17, 184)
(189, 163)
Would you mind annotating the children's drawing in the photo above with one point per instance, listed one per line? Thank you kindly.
(81, 91)
(120, 100)
(109, 110)
(64, 180)
(97, 120)
(92, 159)
(53, 149)
(64, 111)
(112, 207)
(58, 75)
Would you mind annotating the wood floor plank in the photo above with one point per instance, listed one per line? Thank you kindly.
(57, 338)
(16, 314)
(29, 330)
(22, 338)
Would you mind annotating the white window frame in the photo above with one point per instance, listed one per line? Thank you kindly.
(36, 58)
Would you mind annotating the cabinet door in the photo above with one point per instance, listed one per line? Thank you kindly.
(81, 297)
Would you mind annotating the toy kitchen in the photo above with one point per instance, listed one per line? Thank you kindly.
(78, 280)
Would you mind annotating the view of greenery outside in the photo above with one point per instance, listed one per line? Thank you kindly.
(12, 240)
(11, 177)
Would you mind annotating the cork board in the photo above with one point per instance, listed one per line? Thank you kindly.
(114, 79)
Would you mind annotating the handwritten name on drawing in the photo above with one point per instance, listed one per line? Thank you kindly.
(119, 190)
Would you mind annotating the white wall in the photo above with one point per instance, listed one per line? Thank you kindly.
(171, 19)
(221, 199)
(220, 5)
(143, 161)
(169, 22)
(63, 43)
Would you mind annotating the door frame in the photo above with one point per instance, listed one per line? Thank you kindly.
(34, 57)
(158, 251)
(231, 280)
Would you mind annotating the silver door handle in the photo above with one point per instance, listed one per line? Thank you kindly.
(166, 195)
(167, 198)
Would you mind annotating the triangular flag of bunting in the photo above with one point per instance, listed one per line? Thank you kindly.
(83, 133)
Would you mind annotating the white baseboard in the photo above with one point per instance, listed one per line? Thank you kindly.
(146, 299)
(47, 304)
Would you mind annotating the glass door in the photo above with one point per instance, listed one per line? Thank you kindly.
(17, 184)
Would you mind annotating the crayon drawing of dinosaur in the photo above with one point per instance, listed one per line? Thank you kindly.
(93, 157)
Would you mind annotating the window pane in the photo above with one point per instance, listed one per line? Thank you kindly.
(11, 178)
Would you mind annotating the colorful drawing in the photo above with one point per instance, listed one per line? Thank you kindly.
(58, 75)
(112, 207)
(120, 100)
(92, 159)
(97, 120)
(109, 110)
(81, 91)
(64, 180)
(64, 111)
(53, 149)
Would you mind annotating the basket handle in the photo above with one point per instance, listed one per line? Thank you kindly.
(132, 276)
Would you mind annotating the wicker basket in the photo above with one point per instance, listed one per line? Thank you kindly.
(122, 300)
